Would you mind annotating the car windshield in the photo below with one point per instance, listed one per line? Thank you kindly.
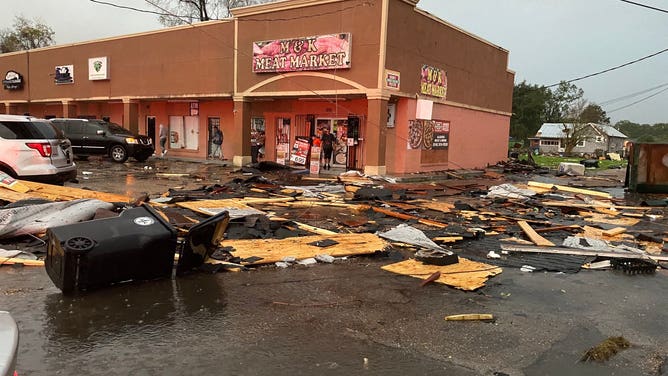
(33, 130)
(117, 129)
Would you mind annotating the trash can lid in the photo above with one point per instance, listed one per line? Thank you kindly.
(202, 240)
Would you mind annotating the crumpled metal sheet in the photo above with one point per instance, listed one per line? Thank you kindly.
(509, 191)
(34, 219)
(410, 235)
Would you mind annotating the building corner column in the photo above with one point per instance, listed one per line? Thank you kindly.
(375, 135)
(69, 109)
(131, 115)
(241, 149)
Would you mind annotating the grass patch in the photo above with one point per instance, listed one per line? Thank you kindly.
(548, 161)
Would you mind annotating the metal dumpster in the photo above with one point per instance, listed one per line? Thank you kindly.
(647, 171)
(137, 245)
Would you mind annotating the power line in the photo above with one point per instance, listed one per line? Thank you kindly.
(610, 101)
(613, 68)
(645, 6)
(638, 101)
(131, 8)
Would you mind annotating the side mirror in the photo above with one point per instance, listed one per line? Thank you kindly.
(100, 132)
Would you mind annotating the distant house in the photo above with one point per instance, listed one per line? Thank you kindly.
(550, 139)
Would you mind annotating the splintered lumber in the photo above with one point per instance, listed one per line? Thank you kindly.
(470, 317)
(465, 275)
(571, 251)
(313, 229)
(267, 251)
(444, 207)
(394, 214)
(59, 193)
(206, 206)
(597, 233)
(614, 231)
(568, 189)
(558, 228)
(533, 235)
(593, 205)
(602, 218)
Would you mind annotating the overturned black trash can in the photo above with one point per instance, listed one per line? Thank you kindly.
(137, 245)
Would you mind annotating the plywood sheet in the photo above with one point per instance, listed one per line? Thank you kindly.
(466, 275)
(236, 203)
(59, 193)
(273, 250)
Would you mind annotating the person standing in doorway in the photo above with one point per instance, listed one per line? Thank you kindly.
(217, 140)
(163, 139)
(327, 142)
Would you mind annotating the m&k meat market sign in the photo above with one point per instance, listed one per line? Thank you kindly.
(321, 52)
(433, 81)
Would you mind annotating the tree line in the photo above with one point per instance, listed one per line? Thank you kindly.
(534, 105)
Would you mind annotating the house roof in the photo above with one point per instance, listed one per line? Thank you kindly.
(555, 130)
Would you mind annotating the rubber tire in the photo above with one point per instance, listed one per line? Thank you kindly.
(118, 153)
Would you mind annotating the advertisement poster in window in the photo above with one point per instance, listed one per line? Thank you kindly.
(428, 134)
(440, 138)
(300, 151)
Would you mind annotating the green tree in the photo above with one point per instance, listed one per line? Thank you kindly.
(559, 105)
(529, 105)
(26, 35)
(179, 12)
(593, 113)
(575, 127)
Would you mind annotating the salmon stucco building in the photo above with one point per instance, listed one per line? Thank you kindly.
(402, 90)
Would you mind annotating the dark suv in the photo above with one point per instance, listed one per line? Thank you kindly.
(91, 137)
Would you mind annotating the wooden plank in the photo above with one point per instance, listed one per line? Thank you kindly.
(582, 252)
(448, 239)
(465, 275)
(614, 231)
(533, 235)
(313, 229)
(568, 189)
(273, 250)
(470, 317)
(14, 260)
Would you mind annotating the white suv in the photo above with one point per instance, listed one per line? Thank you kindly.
(33, 149)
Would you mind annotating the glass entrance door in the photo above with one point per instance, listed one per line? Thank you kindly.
(339, 128)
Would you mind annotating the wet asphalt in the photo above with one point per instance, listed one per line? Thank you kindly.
(349, 317)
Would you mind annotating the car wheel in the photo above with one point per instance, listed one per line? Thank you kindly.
(118, 153)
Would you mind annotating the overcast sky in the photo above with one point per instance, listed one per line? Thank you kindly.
(548, 40)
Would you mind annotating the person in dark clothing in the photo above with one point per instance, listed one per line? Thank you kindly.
(327, 142)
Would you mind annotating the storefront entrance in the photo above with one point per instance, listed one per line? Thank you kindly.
(339, 128)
